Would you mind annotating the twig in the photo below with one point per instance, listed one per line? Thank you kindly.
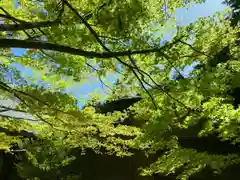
(149, 94)
(189, 56)
(19, 118)
(193, 48)
(8, 16)
(160, 87)
(165, 8)
(12, 109)
(61, 9)
(43, 120)
(7, 88)
(18, 150)
(4, 110)
(169, 61)
(99, 76)
(112, 38)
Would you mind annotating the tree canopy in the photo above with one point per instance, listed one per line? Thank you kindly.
(187, 123)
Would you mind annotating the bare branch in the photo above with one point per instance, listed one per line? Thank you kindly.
(189, 56)
(18, 150)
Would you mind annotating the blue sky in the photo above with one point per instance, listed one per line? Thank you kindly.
(184, 16)
(189, 15)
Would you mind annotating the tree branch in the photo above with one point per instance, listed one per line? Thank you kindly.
(193, 48)
(140, 81)
(19, 118)
(99, 76)
(11, 18)
(57, 20)
(14, 43)
(15, 93)
(170, 62)
(108, 50)
(165, 8)
(15, 20)
(11, 109)
(4, 110)
(8, 16)
(129, 54)
(26, 25)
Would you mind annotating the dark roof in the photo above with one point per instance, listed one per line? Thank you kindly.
(117, 105)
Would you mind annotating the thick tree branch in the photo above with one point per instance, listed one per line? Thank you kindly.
(27, 25)
(15, 20)
(14, 43)
(60, 8)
